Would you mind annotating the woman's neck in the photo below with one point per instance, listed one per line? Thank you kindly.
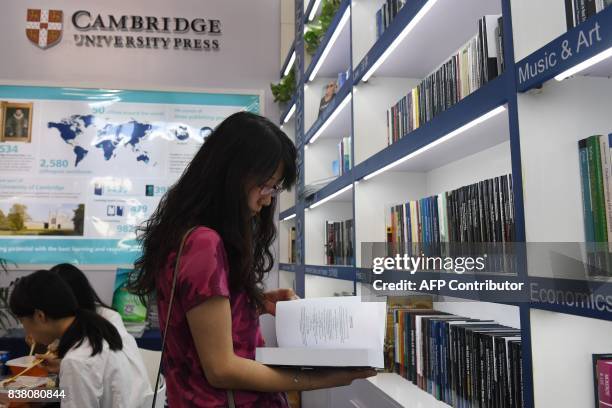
(63, 324)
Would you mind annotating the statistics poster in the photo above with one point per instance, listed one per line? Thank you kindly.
(81, 169)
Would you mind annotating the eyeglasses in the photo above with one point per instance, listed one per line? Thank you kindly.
(273, 191)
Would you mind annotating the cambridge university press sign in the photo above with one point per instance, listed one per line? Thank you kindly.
(44, 29)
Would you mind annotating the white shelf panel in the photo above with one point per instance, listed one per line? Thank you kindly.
(535, 24)
(405, 392)
(485, 135)
(286, 279)
(562, 364)
(427, 45)
(320, 286)
(363, 15)
(339, 57)
(551, 123)
(318, 160)
(286, 200)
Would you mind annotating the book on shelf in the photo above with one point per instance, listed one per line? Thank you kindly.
(327, 332)
(339, 248)
(479, 61)
(595, 159)
(602, 370)
(386, 14)
(292, 246)
(479, 213)
(128, 305)
(344, 155)
(329, 92)
(578, 11)
(461, 361)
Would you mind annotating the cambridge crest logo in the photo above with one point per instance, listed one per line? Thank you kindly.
(44, 27)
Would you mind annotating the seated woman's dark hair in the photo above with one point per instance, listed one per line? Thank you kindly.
(245, 149)
(45, 291)
(86, 296)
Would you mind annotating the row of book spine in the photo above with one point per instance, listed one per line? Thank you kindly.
(386, 14)
(578, 11)
(482, 212)
(595, 156)
(477, 62)
(339, 242)
(464, 362)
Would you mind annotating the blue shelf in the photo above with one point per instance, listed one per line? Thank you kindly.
(287, 212)
(340, 62)
(485, 99)
(309, 9)
(329, 111)
(332, 188)
(287, 267)
(331, 271)
(287, 60)
(575, 297)
(553, 52)
(287, 109)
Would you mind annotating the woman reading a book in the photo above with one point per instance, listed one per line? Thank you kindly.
(94, 372)
(228, 192)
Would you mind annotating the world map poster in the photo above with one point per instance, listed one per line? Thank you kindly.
(92, 165)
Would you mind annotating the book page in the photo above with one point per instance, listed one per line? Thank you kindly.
(338, 322)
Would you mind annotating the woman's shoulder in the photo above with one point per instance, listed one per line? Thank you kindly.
(111, 315)
(205, 237)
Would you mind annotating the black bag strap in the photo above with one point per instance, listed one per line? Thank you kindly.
(230, 394)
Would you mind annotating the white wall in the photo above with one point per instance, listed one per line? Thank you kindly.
(247, 59)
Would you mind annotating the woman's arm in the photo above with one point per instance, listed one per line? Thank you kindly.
(211, 328)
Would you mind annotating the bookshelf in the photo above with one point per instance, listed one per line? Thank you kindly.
(548, 110)
(524, 125)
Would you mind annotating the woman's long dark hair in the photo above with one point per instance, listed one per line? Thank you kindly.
(46, 291)
(86, 296)
(244, 150)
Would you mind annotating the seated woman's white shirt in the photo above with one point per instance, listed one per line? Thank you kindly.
(105, 380)
(130, 348)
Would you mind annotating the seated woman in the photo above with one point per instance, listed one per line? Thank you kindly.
(88, 299)
(94, 372)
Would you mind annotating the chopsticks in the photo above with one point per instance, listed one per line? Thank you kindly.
(34, 364)
(32, 348)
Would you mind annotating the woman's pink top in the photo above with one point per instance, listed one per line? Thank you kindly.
(203, 273)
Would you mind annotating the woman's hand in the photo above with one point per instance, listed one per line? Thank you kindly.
(51, 362)
(277, 295)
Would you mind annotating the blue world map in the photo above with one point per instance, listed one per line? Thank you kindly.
(108, 138)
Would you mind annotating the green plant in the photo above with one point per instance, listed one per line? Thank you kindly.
(284, 90)
(318, 27)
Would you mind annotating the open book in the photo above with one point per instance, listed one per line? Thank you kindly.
(327, 332)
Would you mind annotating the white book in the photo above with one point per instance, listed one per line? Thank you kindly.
(328, 332)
